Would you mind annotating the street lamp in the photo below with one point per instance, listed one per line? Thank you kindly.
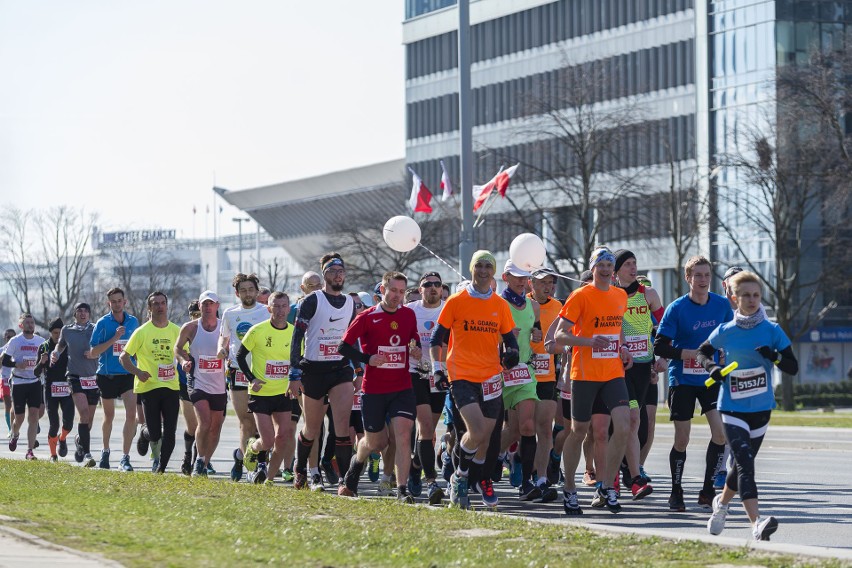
(240, 221)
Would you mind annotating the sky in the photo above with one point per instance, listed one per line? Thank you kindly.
(134, 110)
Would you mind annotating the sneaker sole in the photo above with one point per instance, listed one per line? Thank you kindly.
(644, 492)
(571, 512)
(769, 529)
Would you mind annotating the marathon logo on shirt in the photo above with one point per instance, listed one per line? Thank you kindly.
(608, 321)
(29, 348)
(483, 326)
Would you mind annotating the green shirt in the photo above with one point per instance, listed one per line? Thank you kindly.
(270, 357)
(154, 349)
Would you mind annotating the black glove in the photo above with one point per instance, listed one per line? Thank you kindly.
(716, 374)
(767, 353)
(511, 358)
(442, 383)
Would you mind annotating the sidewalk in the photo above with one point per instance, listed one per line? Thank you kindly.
(18, 548)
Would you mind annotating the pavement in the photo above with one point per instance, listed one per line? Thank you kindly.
(802, 474)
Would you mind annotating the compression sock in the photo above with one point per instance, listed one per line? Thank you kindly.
(83, 430)
(527, 449)
(52, 441)
(465, 459)
(64, 434)
(343, 452)
(676, 461)
(303, 450)
(713, 461)
(426, 452)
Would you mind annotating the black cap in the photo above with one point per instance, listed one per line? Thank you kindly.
(55, 324)
(731, 271)
(430, 274)
(377, 289)
(621, 256)
(82, 305)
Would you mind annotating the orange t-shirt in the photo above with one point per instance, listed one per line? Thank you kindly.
(595, 312)
(475, 328)
(543, 362)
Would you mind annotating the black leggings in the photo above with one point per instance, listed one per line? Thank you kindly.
(745, 432)
(161, 408)
(66, 403)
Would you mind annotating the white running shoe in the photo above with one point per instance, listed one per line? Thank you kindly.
(764, 527)
(716, 522)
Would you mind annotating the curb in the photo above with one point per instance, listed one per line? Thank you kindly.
(39, 542)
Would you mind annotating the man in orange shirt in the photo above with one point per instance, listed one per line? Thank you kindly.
(478, 319)
(591, 322)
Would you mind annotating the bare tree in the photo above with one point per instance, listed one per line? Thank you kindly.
(685, 215)
(48, 259)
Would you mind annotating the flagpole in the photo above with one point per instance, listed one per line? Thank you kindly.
(467, 243)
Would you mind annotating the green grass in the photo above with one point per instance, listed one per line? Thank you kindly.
(143, 520)
(795, 418)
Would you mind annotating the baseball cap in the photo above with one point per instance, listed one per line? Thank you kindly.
(366, 299)
(208, 295)
(512, 269)
(543, 273)
(731, 271)
(586, 276)
(82, 306)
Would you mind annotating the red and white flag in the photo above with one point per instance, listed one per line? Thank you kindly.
(445, 183)
(420, 195)
(500, 182)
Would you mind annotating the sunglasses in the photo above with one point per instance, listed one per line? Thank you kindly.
(359, 306)
(430, 284)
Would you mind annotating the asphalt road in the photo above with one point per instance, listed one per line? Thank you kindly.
(804, 478)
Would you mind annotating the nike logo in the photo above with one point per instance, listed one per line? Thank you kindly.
(334, 320)
(377, 321)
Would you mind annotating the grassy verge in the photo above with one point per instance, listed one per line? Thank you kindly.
(795, 418)
(144, 520)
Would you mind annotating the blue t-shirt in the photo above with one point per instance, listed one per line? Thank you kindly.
(689, 325)
(108, 363)
(749, 387)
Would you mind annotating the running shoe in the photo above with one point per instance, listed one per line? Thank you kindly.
(300, 481)
(676, 500)
(415, 481)
(287, 476)
(554, 463)
(199, 470)
(316, 483)
(571, 504)
(30, 455)
(104, 463)
(210, 470)
(589, 478)
(13, 443)
(640, 488)
(259, 474)
(705, 498)
(528, 492)
(54, 459)
(606, 497)
(155, 465)
(237, 470)
(89, 461)
(447, 467)
(142, 441)
(373, 467)
(386, 488)
(548, 494)
(486, 490)
(403, 496)
(124, 464)
(716, 522)
(186, 464)
(458, 492)
(36, 444)
(644, 475)
(329, 471)
(63, 448)
(599, 497)
(343, 491)
(719, 480)
(764, 527)
(249, 455)
(516, 473)
(435, 493)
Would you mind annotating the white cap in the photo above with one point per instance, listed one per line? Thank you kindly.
(510, 268)
(208, 295)
(366, 299)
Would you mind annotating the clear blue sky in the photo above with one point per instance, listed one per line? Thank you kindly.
(132, 108)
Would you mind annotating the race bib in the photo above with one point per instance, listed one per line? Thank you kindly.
(166, 373)
(88, 383)
(693, 367)
(432, 387)
(207, 365)
(517, 376)
(328, 351)
(394, 355)
(493, 387)
(118, 347)
(240, 379)
(608, 352)
(565, 394)
(277, 370)
(637, 345)
(356, 401)
(746, 383)
(541, 363)
(30, 363)
(59, 389)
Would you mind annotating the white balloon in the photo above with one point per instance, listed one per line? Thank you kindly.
(527, 251)
(401, 233)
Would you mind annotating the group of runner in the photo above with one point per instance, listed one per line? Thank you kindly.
(372, 375)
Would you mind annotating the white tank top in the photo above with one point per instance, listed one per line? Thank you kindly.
(209, 373)
(427, 319)
(326, 329)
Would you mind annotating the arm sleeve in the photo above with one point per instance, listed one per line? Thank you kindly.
(706, 351)
(243, 362)
(352, 353)
(789, 364)
(440, 335)
(7, 360)
(663, 347)
(39, 368)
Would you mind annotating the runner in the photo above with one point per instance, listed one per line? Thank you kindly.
(386, 333)
(686, 324)
(311, 282)
(642, 303)
(263, 295)
(746, 399)
(322, 320)
(591, 321)
(269, 402)
(6, 383)
(155, 383)
(205, 378)
(236, 322)
(82, 371)
(57, 392)
(430, 399)
(474, 320)
(108, 340)
(21, 353)
(190, 420)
